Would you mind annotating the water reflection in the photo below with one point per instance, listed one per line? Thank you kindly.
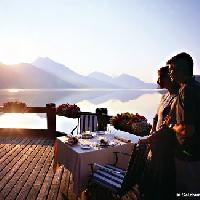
(144, 102)
(36, 97)
(18, 120)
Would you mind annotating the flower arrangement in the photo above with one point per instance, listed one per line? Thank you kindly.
(133, 123)
(15, 106)
(68, 110)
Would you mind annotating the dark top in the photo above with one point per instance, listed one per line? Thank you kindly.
(188, 113)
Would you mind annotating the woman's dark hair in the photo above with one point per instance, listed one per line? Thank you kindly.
(164, 71)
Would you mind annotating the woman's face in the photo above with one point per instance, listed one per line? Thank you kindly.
(163, 81)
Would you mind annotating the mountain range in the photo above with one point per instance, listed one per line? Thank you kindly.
(28, 76)
(45, 73)
(93, 80)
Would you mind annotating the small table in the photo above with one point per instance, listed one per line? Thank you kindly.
(77, 160)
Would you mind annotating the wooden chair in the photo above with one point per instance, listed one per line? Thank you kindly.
(111, 182)
(86, 122)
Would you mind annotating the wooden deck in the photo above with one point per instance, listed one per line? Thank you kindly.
(26, 170)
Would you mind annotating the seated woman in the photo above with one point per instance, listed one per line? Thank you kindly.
(160, 180)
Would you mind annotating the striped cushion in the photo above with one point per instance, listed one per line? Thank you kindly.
(88, 123)
(116, 179)
(111, 179)
(117, 169)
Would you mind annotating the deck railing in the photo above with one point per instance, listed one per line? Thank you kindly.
(50, 111)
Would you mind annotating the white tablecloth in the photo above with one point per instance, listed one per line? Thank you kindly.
(77, 160)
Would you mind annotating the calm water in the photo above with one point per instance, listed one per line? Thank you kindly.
(144, 102)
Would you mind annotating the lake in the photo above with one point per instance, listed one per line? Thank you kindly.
(142, 101)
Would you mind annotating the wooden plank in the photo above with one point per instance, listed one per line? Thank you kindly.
(63, 185)
(3, 140)
(21, 177)
(26, 132)
(40, 178)
(71, 195)
(7, 158)
(8, 147)
(53, 193)
(31, 179)
(8, 172)
(43, 194)
(26, 170)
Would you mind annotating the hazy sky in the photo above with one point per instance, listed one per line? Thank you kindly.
(111, 36)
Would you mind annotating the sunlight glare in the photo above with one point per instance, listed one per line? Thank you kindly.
(13, 90)
(19, 120)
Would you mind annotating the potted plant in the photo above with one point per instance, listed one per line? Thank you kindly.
(133, 123)
(14, 106)
(68, 110)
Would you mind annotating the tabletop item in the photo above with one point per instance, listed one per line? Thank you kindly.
(122, 139)
(87, 136)
(100, 132)
(103, 142)
(72, 140)
(85, 146)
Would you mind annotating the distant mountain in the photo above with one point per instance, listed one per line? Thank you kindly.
(93, 80)
(46, 73)
(28, 76)
(123, 81)
(101, 76)
(128, 81)
(67, 74)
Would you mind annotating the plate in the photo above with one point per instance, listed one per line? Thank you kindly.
(87, 136)
(85, 146)
(101, 132)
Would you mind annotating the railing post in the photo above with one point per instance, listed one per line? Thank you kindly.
(51, 117)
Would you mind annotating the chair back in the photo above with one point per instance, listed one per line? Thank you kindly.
(136, 166)
(88, 122)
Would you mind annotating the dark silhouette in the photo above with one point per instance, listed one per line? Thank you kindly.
(187, 128)
(159, 182)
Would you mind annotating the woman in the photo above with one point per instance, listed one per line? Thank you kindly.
(160, 178)
(166, 106)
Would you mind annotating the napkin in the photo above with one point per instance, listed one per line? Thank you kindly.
(122, 139)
